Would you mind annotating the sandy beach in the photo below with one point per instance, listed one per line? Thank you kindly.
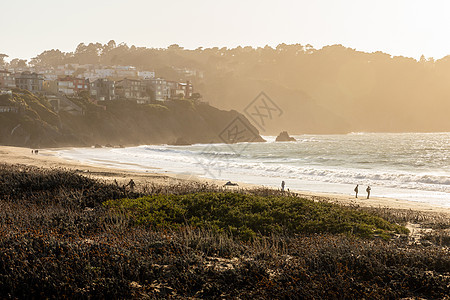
(48, 159)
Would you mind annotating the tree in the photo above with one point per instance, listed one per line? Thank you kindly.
(18, 63)
(2, 59)
(175, 47)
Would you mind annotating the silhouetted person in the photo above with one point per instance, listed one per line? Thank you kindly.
(368, 191)
(131, 184)
(356, 190)
(282, 185)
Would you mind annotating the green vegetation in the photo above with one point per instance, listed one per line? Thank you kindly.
(247, 215)
(57, 240)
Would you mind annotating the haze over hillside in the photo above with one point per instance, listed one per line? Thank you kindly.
(331, 90)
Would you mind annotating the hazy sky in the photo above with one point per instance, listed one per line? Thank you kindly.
(399, 27)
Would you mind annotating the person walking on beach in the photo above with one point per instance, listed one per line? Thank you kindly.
(356, 190)
(368, 191)
(282, 185)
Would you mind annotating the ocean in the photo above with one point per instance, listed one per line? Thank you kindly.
(409, 166)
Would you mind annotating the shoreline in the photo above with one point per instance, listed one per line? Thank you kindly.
(47, 159)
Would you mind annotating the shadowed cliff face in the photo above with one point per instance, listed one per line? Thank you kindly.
(122, 123)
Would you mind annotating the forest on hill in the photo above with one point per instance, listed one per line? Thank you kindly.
(330, 90)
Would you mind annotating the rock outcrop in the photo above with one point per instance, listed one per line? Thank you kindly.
(284, 137)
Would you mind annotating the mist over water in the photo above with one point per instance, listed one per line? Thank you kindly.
(411, 166)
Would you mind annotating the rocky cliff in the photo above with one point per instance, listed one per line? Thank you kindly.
(36, 123)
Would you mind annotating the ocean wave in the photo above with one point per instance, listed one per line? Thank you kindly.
(388, 160)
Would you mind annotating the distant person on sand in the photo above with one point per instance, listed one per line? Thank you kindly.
(36, 151)
(282, 185)
(356, 190)
(368, 191)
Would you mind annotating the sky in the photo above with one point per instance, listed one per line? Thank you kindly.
(398, 27)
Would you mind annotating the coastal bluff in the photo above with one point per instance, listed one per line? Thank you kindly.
(35, 123)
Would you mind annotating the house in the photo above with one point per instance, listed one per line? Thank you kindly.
(65, 86)
(173, 88)
(5, 92)
(131, 89)
(7, 79)
(185, 72)
(9, 109)
(180, 89)
(103, 73)
(160, 88)
(125, 71)
(146, 74)
(29, 81)
(103, 89)
(72, 85)
(50, 86)
(80, 84)
(186, 89)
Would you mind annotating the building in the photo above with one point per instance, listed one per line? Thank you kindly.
(103, 89)
(104, 73)
(146, 74)
(186, 89)
(7, 79)
(29, 81)
(78, 84)
(9, 109)
(50, 86)
(125, 71)
(173, 89)
(160, 88)
(5, 92)
(65, 86)
(131, 89)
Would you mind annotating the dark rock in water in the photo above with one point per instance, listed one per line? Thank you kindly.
(181, 142)
(284, 137)
(108, 146)
(97, 146)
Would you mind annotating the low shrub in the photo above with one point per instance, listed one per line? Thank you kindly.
(247, 215)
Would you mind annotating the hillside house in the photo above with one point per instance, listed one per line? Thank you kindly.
(103, 89)
(32, 82)
(160, 87)
(146, 74)
(131, 89)
(7, 79)
(9, 109)
(65, 86)
(186, 89)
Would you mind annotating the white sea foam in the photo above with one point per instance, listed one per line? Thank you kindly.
(407, 166)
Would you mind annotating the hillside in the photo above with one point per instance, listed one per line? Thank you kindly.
(117, 123)
(330, 90)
